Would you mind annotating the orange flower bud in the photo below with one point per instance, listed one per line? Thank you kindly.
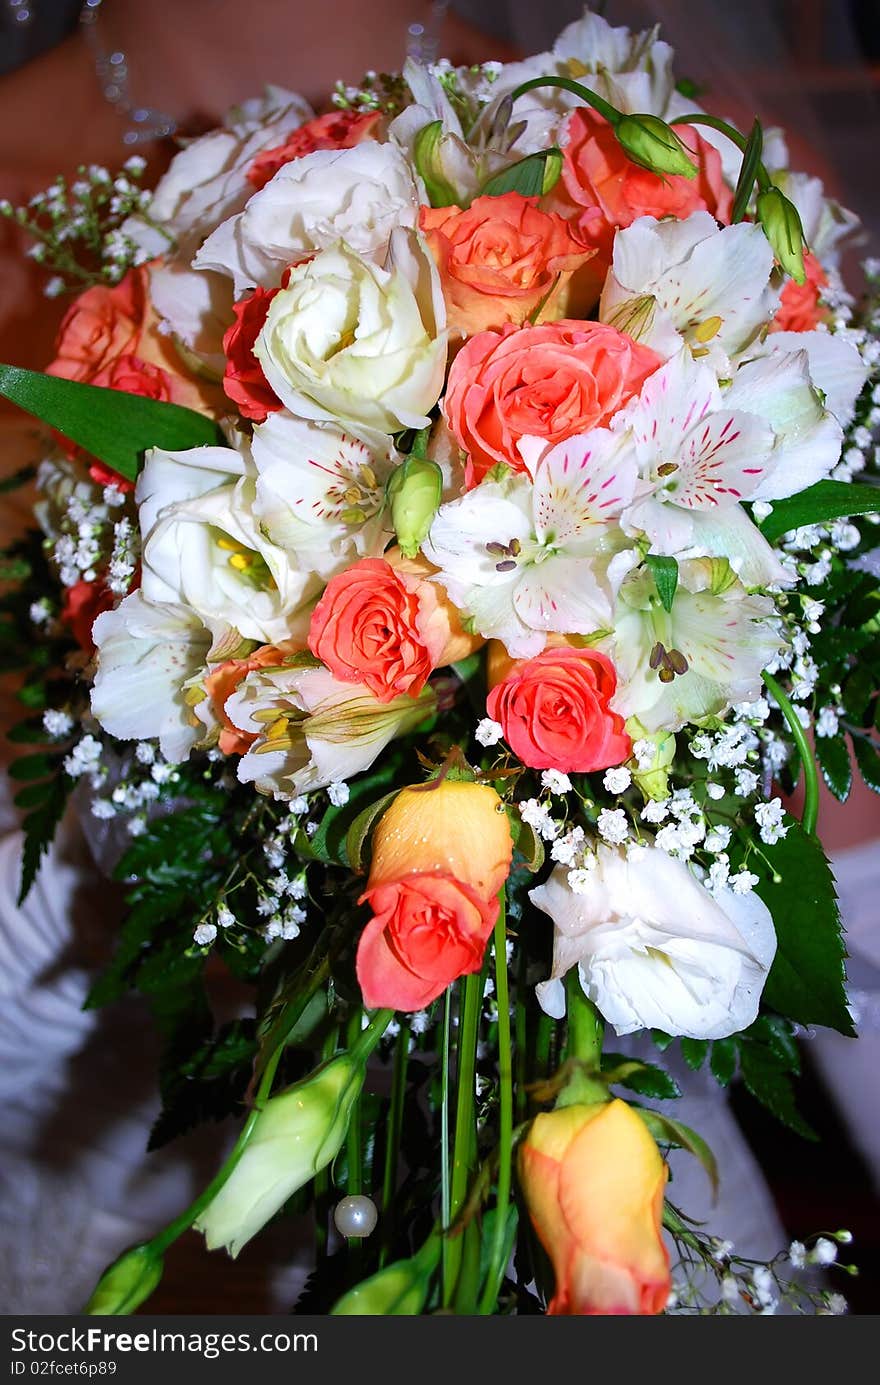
(594, 1179)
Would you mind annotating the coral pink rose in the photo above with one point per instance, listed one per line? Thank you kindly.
(243, 380)
(222, 682)
(610, 191)
(441, 853)
(336, 130)
(378, 627)
(83, 603)
(555, 711)
(548, 382)
(800, 309)
(500, 258)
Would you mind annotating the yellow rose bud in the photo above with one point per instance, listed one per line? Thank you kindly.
(126, 1283)
(594, 1180)
(298, 1133)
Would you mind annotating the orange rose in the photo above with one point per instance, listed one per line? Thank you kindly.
(555, 711)
(222, 682)
(800, 309)
(336, 130)
(548, 382)
(500, 258)
(610, 191)
(594, 1180)
(374, 626)
(441, 853)
(442, 616)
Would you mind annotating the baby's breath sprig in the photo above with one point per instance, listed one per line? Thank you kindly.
(76, 226)
(386, 92)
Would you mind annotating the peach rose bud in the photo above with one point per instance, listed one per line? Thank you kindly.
(594, 1181)
(441, 853)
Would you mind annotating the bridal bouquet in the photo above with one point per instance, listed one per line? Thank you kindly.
(451, 565)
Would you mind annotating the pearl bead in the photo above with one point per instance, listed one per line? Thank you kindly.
(355, 1216)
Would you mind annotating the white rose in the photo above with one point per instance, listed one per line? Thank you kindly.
(207, 181)
(654, 949)
(342, 732)
(348, 340)
(203, 546)
(357, 195)
(320, 494)
(147, 656)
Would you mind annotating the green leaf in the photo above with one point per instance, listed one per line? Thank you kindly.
(770, 1085)
(722, 1061)
(694, 1051)
(532, 176)
(748, 173)
(34, 794)
(39, 829)
(30, 732)
(110, 424)
(527, 843)
(777, 1034)
(32, 766)
(665, 574)
(358, 835)
(868, 761)
(668, 1131)
(329, 842)
(807, 979)
(645, 1078)
(834, 762)
(826, 500)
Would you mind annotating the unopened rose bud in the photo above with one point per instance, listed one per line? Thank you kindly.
(400, 1290)
(784, 230)
(653, 144)
(414, 491)
(126, 1283)
(298, 1133)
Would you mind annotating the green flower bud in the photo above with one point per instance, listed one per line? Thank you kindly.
(126, 1283)
(400, 1290)
(414, 490)
(782, 227)
(427, 156)
(298, 1133)
(653, 144)
(654, 779)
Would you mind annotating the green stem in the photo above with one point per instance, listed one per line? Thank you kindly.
(322, 1177)
(464, 1119)
(611, 114)
(498, 1258)
(520, 1032)
(585, 1027)
(393, 1133)
(810, 815)
(732, 133)
(353, 1143)
(445, 1195)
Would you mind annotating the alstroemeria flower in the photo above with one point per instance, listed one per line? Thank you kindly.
(697, 659)
(320, 494)
(311, 729)
(675, 281)
(524, 558)
(203, 546)
(695, 453)
(654, 949)
(147, 657)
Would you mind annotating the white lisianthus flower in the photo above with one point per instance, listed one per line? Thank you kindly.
(197, 308)
(354, 195)
(148, 656)
(350, 340)
(203, 546)
(523, 558)
(654, 949)
(320, 494)
(699, 658)
(673, 281)
(207, 181)
(312, 729)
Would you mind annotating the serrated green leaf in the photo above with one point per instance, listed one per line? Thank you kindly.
(661, 1040)
(34, 794)
(665, 574)
(30, 732)
(722, 1061)
(110, 424)
(694, 1051)
(807, 979)
(668, 1131)
(39, 829)
(834, 762)
(770, 1085)
(32, 766)
(777, 1036)
(645, 1078)
(33, 695)
(527, 843)
(858, 692)
(868, 761)
(823, 501)
(531, 177)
